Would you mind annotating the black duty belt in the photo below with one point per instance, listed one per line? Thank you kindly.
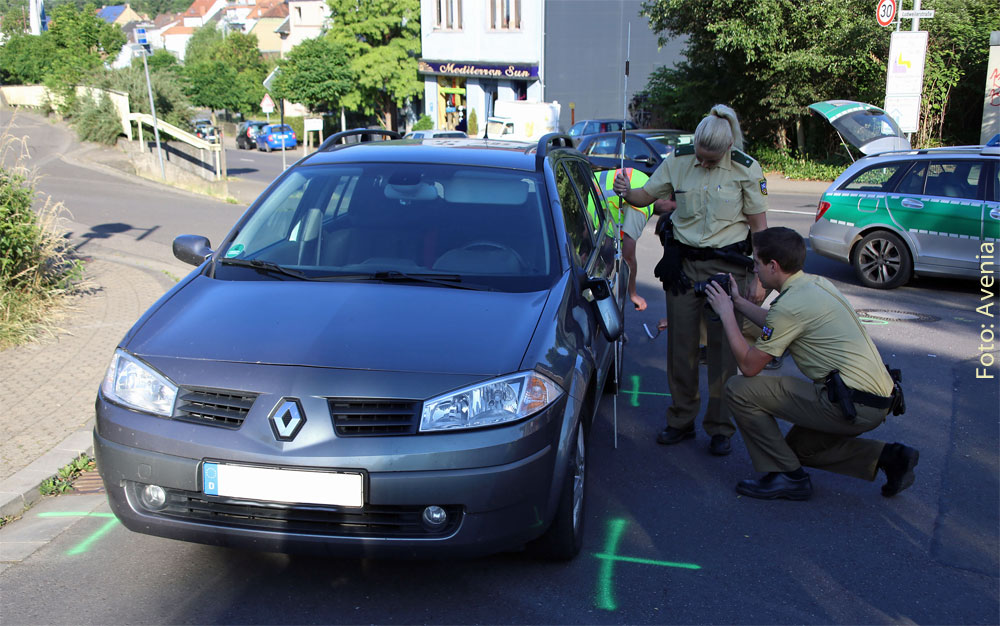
(870, 399)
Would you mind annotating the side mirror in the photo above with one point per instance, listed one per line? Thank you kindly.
(193, 249)
(609, 316)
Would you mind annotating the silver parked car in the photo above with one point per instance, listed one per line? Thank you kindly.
(398, 350)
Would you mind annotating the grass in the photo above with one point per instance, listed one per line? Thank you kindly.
(37, 266)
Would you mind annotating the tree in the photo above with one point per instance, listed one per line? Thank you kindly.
(766, 58)
(26, 59)
(201, 47)
(82, 41)
(769, 59)
(382, 40)
(315, 73)
(224, 73)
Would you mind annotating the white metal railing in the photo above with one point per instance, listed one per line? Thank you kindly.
(218, 155)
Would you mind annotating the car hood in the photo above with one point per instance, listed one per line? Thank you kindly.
(865, 126)
(349, 325)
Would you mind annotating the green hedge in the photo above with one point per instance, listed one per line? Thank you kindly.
(772, 160)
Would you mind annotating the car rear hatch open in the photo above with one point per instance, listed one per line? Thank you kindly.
(865, 126)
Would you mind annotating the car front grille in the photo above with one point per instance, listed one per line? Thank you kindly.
(364, 417)
(370, 521)
(215, 407)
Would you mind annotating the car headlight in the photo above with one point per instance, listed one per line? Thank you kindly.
(131, 382)
(499, 401)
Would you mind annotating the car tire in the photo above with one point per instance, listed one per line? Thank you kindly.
(882, 261)
(564, 538)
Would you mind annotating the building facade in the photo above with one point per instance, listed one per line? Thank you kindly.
(476, 52)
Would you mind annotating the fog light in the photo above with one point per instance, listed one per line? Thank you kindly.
(434, 517)
(154, 497)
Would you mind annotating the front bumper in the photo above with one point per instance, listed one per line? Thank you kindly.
(492, 507)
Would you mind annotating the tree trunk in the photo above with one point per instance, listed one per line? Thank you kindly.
(800, 136)
(782, 137)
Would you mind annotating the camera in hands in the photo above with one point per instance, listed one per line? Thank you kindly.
(722, 280)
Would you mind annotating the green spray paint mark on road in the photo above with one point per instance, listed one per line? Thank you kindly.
(634, 393)
(605, 590)
(84, 545)
(872, 320)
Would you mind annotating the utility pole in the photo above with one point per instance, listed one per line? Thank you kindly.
(142, 48)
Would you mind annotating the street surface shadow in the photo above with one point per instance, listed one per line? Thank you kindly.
(106, 231)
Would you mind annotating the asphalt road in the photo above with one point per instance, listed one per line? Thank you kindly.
(688, 549)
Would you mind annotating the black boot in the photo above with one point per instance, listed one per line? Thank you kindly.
(897, 461)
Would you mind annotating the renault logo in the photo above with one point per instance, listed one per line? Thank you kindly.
(286, 419)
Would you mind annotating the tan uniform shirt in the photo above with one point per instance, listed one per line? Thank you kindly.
(823, 333)
(712, 203)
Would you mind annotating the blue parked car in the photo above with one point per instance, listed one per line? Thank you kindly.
(271, 136)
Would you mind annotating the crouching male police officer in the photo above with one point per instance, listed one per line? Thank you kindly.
(850, 393)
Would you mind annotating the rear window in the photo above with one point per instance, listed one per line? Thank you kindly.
(491, 227)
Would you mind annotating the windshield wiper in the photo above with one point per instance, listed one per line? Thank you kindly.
(265, 266)
(445, 280)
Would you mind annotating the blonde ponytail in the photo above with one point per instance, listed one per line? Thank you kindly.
(719, 130)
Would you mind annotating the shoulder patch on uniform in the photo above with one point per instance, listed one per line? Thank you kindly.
(740, 158)
(763, 186)
(684, 150)
(765, 333)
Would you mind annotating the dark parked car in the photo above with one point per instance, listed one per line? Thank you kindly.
(398, 350)
(203, 129)
(272, 136)
(644, 149)
(246, 134)
(589, 127)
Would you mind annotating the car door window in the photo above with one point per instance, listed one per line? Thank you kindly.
(955, 179)
(877, 178)
(581, 210)
(913, 182)
(603, 147)
(636, 148)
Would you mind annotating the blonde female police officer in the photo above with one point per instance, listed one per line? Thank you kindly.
(721, 199)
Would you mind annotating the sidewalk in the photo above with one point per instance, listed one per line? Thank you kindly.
(48, 388)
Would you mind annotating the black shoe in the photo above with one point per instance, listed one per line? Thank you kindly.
(774, 363)
(777, 485)
(898, 467)
(671, 435)
(719, 445)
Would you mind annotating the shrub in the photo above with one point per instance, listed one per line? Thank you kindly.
(36, 267)
(473, 123)
(424, 123)
(772, 160)
(96, 121)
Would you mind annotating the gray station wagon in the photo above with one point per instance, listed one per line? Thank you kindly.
(398, 350)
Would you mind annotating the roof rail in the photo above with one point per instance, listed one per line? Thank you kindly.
(973, 149)
(557, 140)
(363, 134)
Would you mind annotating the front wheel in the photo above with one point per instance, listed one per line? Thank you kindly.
(882, 261)
(564, 538)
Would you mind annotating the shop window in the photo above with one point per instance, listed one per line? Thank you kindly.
(448, 14)
(505, 14)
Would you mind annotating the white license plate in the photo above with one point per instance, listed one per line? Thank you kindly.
(283, 485)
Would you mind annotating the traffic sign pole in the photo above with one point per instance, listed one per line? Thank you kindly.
(141, 39)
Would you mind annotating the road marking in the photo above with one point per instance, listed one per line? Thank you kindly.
(84, 545)
(810, 213)
(605, 591)
(634, 392)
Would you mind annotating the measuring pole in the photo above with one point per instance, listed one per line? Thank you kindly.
(618, 236)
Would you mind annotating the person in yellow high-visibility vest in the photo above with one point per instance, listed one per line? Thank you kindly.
(632, 219)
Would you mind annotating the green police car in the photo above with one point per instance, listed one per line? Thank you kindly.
(896, 214)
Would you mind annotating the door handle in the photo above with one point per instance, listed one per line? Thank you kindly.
(912, 203)
(995, 213)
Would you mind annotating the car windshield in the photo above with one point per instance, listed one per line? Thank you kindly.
(470, 225)
(664, 144)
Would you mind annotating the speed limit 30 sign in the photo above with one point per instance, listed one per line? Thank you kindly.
(886, 12)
